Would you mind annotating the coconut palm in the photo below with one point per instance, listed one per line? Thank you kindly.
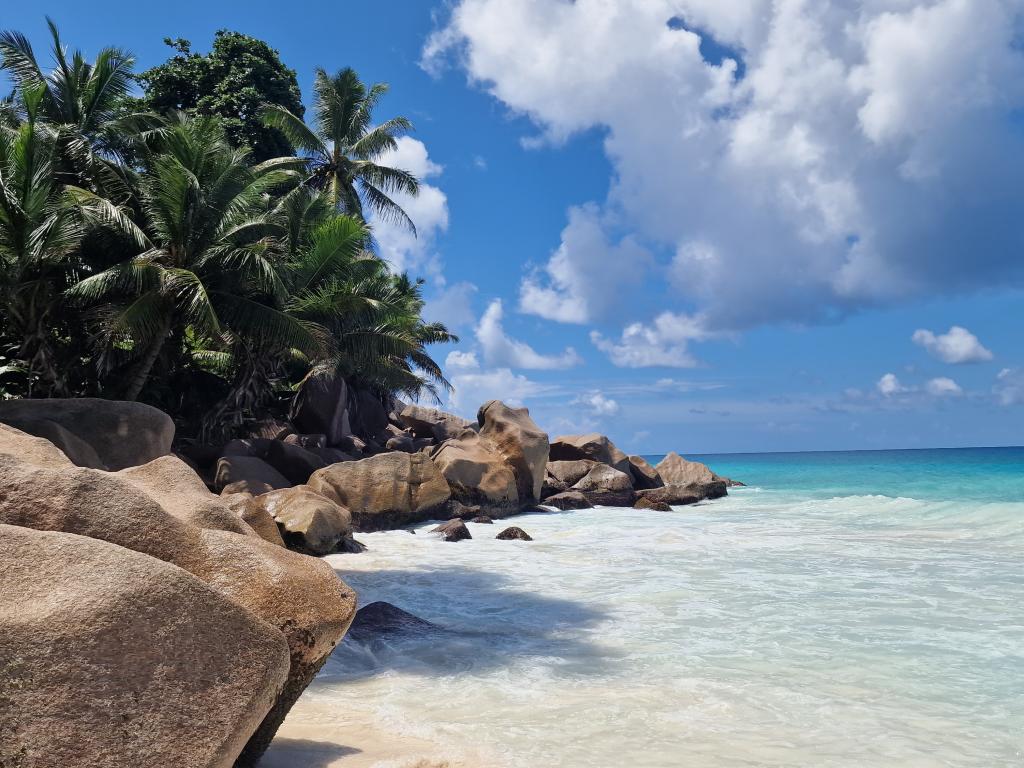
(81, 103)
(373, 317)
(205, 267)
(344, 146)
(39, 231)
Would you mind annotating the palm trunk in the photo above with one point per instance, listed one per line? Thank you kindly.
(145, 366)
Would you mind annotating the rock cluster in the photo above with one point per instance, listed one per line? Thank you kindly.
(589, 470)
(135, 603)
(145, 592)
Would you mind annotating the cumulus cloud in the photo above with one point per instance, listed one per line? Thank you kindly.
(587, 276)
(461, 361)
(889, 385)
(402, 249)
(957, 346)
(1009, 387)
(943, 387)
(838, 155)
(501, 350)
(597, 404)
(452, 305)
(472, 389)
(663, 343)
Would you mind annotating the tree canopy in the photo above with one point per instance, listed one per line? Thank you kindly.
(233, 81)
(173, 248)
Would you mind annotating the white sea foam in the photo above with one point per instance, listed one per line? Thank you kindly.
(757, 630)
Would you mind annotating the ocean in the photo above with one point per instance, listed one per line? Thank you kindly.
(844, 609)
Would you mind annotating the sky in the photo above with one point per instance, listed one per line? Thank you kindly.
(696, 225)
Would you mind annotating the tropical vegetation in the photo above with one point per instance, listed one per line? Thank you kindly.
(165, 240)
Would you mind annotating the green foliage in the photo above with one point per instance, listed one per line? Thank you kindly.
(156, 255)
(344, 146)
(233, 81)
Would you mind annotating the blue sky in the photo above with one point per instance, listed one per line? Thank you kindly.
(711, 226)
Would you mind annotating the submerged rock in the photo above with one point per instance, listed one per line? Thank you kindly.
(569, 500)
(382, 618)
(645, 502)
(482, 520)
(453, 530)
(514, 534)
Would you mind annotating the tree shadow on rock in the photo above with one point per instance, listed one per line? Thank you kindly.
(480, 622)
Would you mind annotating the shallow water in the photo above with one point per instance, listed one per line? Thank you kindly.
(822, 617)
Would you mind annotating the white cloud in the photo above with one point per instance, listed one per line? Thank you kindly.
(943, 387)
(501, 350)
(597, 403)
(957, 346)
(1009, 387)
(461, 361)
(889, 385)
(452, 305)
(587, 276)
(846, 154)
(664, 343)
(471, 390)
(402, 249)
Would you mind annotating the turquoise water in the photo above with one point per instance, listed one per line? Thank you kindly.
(971, 474)
(844, 610)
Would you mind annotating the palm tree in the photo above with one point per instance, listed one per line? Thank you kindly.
(378, 338)
(205, 268)
(344, 146)
(81, 104)
(40, 229)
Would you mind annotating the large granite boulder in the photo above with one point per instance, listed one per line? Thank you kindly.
(248, 474)
(644, 475)
(308, 522)
(183, 493)
(676, 470)
(523, 445)
(606, 486)
(593, 446)
(430, 422)
(477, 474)
(321, 406)
(385, 491)
(293, 461)
(103, 434)
(111, 658)
(569, 473)
(299, 597)
(371, 416)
